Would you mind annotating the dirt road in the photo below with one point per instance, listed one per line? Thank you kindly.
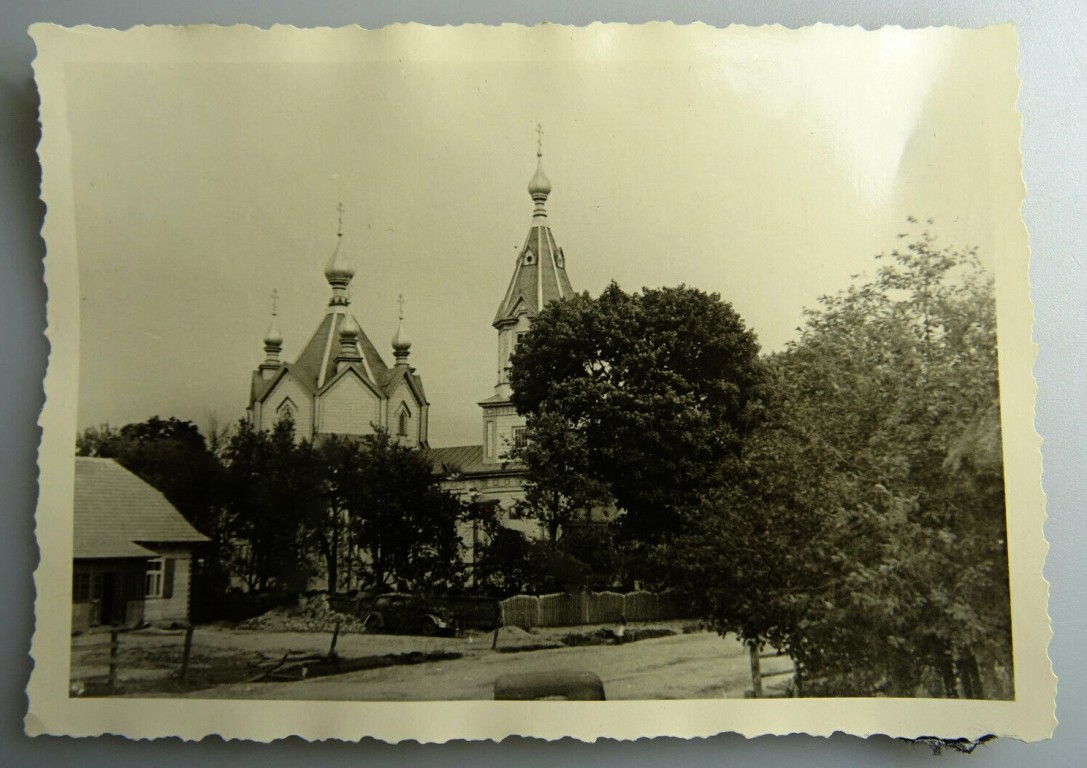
(697, 665)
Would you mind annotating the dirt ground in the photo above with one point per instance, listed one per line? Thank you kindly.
(228, 662)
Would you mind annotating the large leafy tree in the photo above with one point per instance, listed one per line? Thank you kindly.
(558, 492)
(341, 461)
(276, 499)
(655, 389)
(867, 532)
(402, 520)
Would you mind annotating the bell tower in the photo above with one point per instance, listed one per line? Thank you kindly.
(539, 276)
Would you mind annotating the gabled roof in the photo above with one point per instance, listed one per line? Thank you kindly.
(262, 387)
(539, 276)
(317, 362)
(115, 511)
(414, 381)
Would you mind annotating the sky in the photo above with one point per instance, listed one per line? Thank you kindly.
(766, 165)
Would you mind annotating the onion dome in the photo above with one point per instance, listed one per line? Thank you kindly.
(337, 269)
(273, 338)
(401, 341)
(349, 329)
(540, 185)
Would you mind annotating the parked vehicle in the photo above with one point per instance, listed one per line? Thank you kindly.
(406, 614)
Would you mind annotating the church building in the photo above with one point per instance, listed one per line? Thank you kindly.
(483, 471)
(339, 384)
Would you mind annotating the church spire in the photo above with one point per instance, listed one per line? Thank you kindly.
(338, 272)
(401, 341)
(273, 340)
(539, 275)
(540, 186)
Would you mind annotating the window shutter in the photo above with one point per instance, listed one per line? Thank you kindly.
(168, 577)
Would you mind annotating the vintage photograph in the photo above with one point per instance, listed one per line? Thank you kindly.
(613, 364)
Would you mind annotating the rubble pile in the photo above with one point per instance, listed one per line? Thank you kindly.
(310, 614)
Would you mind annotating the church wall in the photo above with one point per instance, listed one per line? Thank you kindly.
(500, 425)
(303, 407)
(403, 395)
(349, 408)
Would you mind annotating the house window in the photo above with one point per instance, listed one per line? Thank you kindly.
(159, 578)
(402, 424)
(518, 339)
(490, 439)
(81, 586)
(520, 439)
(156, 570)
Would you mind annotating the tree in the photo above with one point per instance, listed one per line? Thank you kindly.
(558, 493)
(276, 499)
(400, 517)
(341, 460)
(655, 386)
(866, 534)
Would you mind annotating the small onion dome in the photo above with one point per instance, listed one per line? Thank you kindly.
(337, 269)
(540, 184)
(273, 338)
(401, 340)
(349, 329)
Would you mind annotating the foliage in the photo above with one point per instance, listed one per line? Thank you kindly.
(512, 564)
(655, 387)
(398, 514)
(558, 493)
(584, 556)
(276, 499)
(866, 532)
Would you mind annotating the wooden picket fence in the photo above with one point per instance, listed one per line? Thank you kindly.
(96, 656)
(96, 659)
(565, 609)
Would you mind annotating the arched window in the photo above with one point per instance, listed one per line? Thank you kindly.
(285, 411)
(402, 424)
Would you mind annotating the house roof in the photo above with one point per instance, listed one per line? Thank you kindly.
(466, 460)
(116, 511)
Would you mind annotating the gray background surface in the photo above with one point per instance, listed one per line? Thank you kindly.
(1054, 105)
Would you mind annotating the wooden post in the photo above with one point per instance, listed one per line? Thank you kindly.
(185, 653)
(756, 671)
(114, 654)
(332, 648)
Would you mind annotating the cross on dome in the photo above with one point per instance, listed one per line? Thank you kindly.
(401, 341)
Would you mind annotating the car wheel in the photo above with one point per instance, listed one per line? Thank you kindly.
(430, 627)
(372, 623)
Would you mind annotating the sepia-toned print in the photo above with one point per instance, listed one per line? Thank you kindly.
(456, 372)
